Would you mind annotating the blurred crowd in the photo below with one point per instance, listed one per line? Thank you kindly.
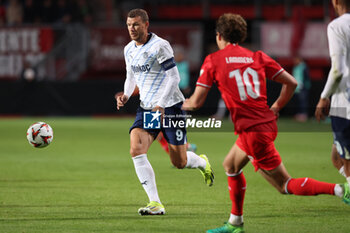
(18, 12)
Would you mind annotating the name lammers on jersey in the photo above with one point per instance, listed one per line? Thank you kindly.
(239, 60)
(139, 68)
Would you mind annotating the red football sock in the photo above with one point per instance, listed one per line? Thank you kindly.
(163, 143)
(237, 187)
(309, 187)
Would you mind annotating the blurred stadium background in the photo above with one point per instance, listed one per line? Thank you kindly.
(65, 58)
(74, 49)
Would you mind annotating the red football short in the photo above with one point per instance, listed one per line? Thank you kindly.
(258, 143)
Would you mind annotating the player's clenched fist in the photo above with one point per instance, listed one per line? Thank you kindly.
(121, 100)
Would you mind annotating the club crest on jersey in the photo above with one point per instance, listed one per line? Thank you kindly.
(145, 55)
(138, 68)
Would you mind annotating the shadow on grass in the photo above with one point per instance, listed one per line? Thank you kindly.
(122, 216)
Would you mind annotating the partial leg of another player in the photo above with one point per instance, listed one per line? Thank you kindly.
(341, 149)
(280, 179)
(162, 141)
(343, 166)
(233, 164)
(181, 158)
(337, 162)
(140, 141)
(164, 144)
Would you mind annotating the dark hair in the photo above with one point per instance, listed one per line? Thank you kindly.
(138, 12)
(232, 27)
(345, 3)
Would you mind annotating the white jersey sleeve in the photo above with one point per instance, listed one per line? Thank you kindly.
(130, 83)
(337, 49)
(165, 52)
(172, 83)
(165, 58)
(338, 82)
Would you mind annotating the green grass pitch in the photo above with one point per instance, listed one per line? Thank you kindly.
(85, 182)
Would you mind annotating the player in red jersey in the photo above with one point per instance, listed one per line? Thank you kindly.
(240, 75)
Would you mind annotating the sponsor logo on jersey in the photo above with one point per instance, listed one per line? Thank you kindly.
(138, 68)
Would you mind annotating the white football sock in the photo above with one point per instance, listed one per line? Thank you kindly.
(194, 161)
(341, 171)
(145, 173)
(235, 220)
(338, 191)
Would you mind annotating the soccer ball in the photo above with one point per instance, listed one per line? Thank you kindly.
(39, 134)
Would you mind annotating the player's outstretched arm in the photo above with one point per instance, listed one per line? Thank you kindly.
(288, 86)
(197, 99)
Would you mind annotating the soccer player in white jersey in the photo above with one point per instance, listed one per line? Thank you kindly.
(338, 86)
(151, 67)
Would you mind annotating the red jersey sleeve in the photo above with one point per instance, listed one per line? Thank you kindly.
(206, 75)
(272, 68)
